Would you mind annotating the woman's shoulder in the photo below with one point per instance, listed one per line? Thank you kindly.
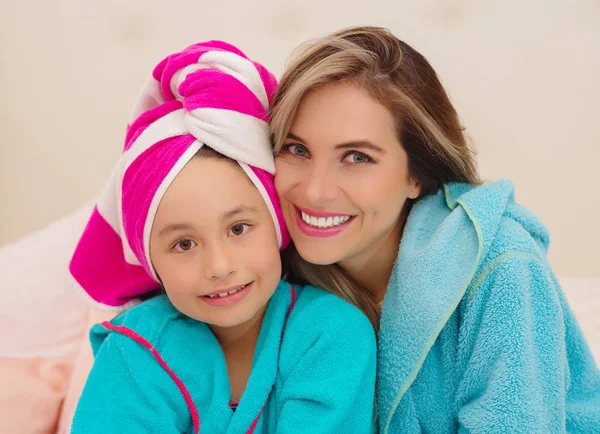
(505, 228)
(511, 241)
(514, 273)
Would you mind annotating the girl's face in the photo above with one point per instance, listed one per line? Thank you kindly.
(342, 177)
(213, 244)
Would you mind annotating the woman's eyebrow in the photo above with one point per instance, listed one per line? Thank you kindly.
(295, 137)
(364, 144)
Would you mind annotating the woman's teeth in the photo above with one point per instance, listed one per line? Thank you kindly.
(324, 222)
(225, 294)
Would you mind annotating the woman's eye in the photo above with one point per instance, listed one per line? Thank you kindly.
(357, 158)
(239, 229)
(297, 150)
(184, 245)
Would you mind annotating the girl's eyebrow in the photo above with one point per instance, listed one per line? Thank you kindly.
(242, 209)
(174, 227)
(180, 227)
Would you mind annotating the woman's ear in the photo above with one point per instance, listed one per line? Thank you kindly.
(414, 188)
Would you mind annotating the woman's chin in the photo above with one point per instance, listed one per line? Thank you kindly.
(318, 256)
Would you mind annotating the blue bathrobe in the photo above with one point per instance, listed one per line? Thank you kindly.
(157, 370)
(476, 334)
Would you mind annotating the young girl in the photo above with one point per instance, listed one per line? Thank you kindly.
(228, 347)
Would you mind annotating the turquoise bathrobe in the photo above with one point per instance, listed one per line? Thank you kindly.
(476, 334)
(157, 370)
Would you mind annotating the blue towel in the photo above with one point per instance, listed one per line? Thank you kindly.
(476, 334)
(318, 378)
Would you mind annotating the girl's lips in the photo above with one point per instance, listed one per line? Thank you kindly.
(228, 299)
(312, 231)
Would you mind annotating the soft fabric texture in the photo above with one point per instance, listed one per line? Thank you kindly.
(43, 322)
(30, 398)
(36, 288)
(32, 393)
(208, 94)
(313, 372)
(476, 334)
(157, 370)
(81, 367)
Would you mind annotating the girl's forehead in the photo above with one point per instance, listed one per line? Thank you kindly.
(209, 188)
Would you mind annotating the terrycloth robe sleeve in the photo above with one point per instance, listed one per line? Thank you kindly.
(127, 391)
(331, 387)
(516, 374)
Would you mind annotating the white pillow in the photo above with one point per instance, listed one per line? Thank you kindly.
(43, 313)
(44, 322)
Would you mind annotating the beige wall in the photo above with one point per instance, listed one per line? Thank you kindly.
(523, 75)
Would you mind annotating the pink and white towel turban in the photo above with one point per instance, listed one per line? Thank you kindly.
(208, 94)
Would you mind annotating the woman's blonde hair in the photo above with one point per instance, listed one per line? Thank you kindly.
(427, 125)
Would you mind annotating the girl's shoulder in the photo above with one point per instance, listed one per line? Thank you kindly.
(316, 303)
(148, 321)
(148, 315)
(318, 314)
(322, 327)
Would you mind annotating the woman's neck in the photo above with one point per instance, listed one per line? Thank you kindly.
(373, 268)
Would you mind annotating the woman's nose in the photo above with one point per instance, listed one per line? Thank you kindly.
(319, 185)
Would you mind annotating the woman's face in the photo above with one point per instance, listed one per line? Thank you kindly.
(342, 177)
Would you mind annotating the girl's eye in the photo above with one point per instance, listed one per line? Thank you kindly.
(297, 150)
(184, 245)
(239, 229)
(357, 158)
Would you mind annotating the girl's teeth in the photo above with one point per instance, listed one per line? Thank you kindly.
(236, 290)
(225, 294)
(324, 222)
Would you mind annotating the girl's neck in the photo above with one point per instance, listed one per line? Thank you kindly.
(238, 344)
(241, 335)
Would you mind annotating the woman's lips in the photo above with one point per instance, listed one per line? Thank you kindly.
(314, 231)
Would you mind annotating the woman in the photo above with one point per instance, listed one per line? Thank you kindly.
(385, 208)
